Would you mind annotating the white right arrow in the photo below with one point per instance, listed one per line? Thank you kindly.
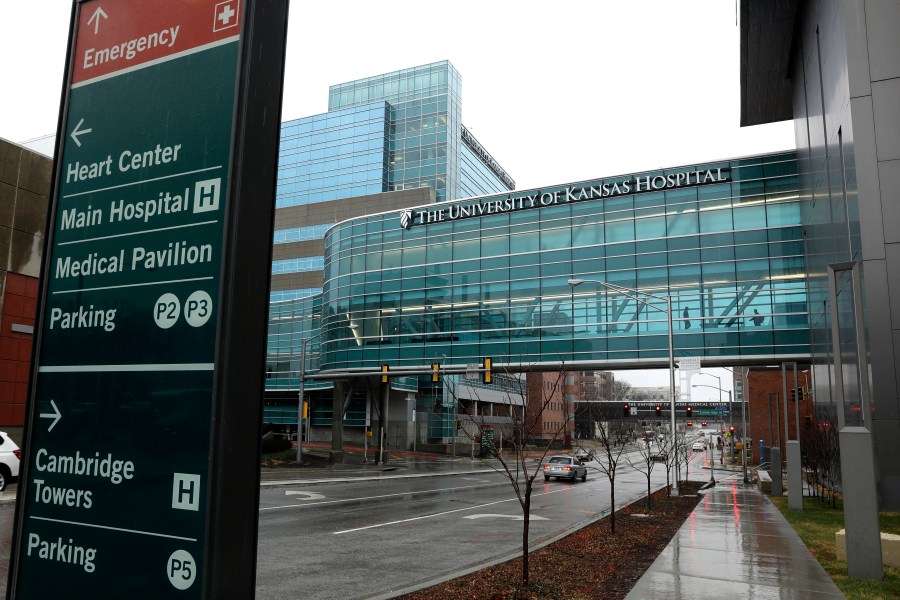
(96, 18)
(75, 133)
(55, 415)
(498, 516)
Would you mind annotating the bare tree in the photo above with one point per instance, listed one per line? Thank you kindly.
(644, 462)
(532, 437)
(608, 455)
(684, 441)
(830, 448)
(621, 391)
(667, 452)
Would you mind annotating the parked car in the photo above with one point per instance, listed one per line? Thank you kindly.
(698, 446)
(564, 467)
(658, 455)
(9, 461)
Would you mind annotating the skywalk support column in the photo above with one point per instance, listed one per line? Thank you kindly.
(385, 406)
(792, 447)
(150, 338)
(336, 454)
(857, 461)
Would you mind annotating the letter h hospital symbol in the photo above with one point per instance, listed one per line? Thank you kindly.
(206, 195)
(186, 491)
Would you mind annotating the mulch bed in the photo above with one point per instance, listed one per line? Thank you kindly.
(590, 563)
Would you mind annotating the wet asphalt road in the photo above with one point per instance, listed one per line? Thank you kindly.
(358, 540)
(366, 538)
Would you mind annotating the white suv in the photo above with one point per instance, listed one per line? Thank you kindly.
(9, 461)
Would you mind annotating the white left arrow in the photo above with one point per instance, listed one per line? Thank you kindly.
(76, 132)
(513, 517)
(96, 18)
(55, 415)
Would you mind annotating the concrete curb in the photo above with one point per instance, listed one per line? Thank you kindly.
(496, 561)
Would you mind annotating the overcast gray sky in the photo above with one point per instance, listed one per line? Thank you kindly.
(556, 91)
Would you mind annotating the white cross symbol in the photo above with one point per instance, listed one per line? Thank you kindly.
(226, 14)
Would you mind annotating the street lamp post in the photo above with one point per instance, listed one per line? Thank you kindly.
(300, 400)
(743, 434)
(712, 458)
(730, 412)
(668, 310)
(301, 391)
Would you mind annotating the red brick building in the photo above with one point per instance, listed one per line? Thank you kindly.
(765, 416)
(24, 190)
(548, 415)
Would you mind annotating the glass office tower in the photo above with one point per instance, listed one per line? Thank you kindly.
(398, 132)
(389, 132)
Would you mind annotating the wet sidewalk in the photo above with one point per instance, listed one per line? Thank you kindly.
(735, 544)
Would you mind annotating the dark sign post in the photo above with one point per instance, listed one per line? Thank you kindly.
(140, 471)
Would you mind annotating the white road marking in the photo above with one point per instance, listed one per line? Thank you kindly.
(304, 495)
(412, 493)
(499, 516)
(446, 512)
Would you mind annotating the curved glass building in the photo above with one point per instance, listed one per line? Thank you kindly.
(490, 276)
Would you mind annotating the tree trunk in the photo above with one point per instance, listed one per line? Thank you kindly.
(612, 508)
(526, 513)
(668, 482)
(648, 491)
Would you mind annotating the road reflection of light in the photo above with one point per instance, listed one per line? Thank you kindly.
(693, 519)
(737, 509)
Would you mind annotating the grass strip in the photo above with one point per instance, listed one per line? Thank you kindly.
(816, 525)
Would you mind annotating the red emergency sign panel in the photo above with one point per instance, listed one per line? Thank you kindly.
(119, 35)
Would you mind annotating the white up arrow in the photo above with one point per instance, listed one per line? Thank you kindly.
(96, 18)
(55, 415)
(75, 133)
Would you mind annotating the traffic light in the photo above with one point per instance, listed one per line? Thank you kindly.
(435, 372)
(384, 369)
(487, 370)
(658, 410)
(731, 429)
(690, 411)
(626, 409)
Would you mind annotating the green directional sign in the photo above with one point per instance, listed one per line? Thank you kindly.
(121, 481)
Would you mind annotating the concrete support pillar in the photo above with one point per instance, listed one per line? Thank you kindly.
(336, 454)
(775, 472)
(384, 396)
(794, 476)
(860, 504)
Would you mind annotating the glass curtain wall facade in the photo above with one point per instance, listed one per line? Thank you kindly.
(425, 137)
(724, 239)
(396, 131)
(335, 155)
(833, 68)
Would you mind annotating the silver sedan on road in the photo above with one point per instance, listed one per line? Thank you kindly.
(564, 467)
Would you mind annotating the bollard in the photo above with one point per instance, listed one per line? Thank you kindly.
(775, 471)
